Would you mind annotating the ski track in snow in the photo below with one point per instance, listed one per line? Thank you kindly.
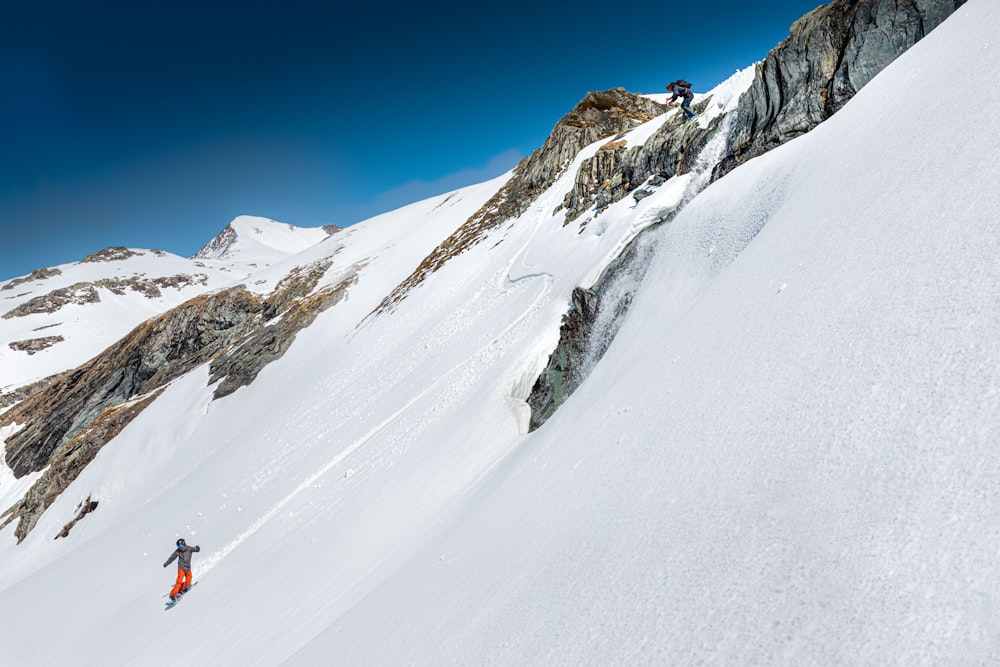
(446, 379)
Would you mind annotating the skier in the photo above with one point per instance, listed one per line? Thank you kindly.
(682, 89)
(183, 556)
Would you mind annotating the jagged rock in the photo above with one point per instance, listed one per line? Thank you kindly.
(67, 466)
(617, 168)
(37, 274)
(78, 293)
(85, 508)
(830, 54)
(602, 114)
(33, 345)
(86, 292)
(240, 365)
(564, 372)
(588, 329)
(9, 398)
(154, 353)
(150, 287)
(220, 245)
(110, 255)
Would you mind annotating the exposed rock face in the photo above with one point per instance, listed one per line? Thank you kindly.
(37, 274)
(86, 507)
(33, 345)
(220, 245)
(86, 292)
(110, 255)
(154, 353)
(830, 54)
(589, 328)
(66, 467)
(19, 394)
(564, 371)
(598, 115)
(79, 293)
(241, 364)
(617, 169)
(150, 287)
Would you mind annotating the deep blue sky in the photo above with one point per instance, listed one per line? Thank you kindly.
(152, 124)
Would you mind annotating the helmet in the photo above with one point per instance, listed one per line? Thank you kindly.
(180, 543)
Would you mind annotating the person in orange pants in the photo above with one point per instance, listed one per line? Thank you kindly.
(184, 576)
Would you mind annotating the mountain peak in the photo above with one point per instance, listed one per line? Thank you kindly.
(255, 239)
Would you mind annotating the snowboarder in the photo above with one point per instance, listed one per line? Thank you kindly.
(682, 89)
(183, 556)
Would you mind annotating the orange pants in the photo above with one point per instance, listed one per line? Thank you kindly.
(183, 581)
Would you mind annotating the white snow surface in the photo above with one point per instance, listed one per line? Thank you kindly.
(787, 456)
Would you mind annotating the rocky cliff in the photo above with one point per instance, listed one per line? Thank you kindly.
(829, 55)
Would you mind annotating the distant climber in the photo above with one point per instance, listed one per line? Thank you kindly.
(183, 556)
(682, 89)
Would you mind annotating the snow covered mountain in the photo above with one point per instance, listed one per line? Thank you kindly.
(259, 241)
(58, 317)
(769, 362)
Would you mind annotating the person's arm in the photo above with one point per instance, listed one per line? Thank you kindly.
(171, 559)
(195, 548)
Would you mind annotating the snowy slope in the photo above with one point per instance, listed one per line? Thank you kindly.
(786, 456)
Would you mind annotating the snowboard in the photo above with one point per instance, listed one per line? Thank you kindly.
(180, 596)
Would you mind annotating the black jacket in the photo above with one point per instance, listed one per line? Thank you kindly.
(681, 89)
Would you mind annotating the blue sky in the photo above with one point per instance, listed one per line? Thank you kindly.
(152, 124)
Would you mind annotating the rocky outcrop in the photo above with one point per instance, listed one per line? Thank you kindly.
(110, 255)
(617, 169)
(79, 293)
(238, 332)
(13, 396)
(85, 508)
(86, 292)
(37, 274)
(67, 466)
(599, 115)
(150, 287)
(241, 364)
(588, 329)
(33, 345)
(829, 55)
(151, 355)
(565, 368)
(220, 245)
